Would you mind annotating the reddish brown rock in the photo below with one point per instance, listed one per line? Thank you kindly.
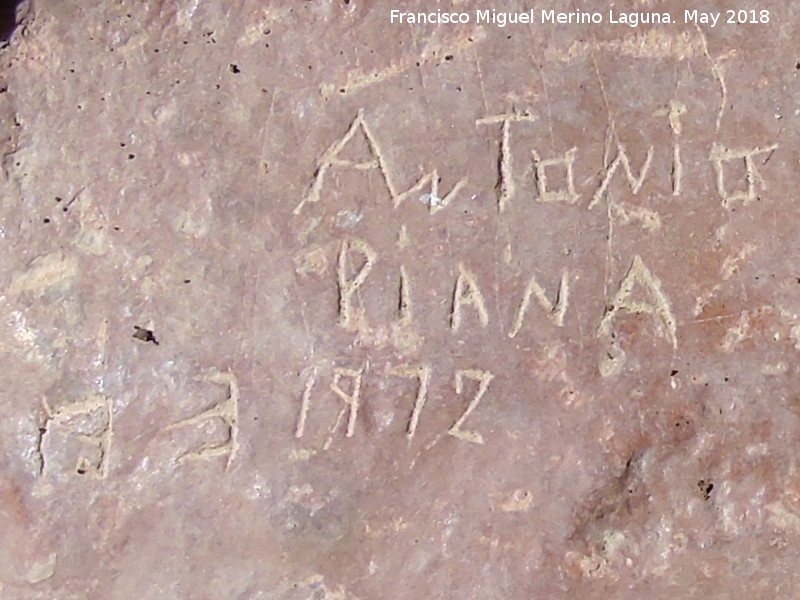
(298, 302)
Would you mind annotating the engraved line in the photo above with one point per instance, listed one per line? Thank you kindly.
(423, 376)
(352, 400)
(467, 293)
(305, 404)
(349, 287)
(555, 311)
(483, 378)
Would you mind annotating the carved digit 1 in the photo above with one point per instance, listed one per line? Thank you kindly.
(658, 306)
(404, 303)
(99, 440)
(348, 287)
(330, 158)
(483, 378)
(568, 195)
(676, 109)
(423, 375)
(305, 405)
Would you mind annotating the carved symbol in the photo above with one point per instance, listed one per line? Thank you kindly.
(674, 113)
(330, 158)
(348, 287)
(432, 198)
(467, 293)
(505, 165)
(569, 195)
(483, 378)
(423, 376)
(227, 411)
(555, 311)
(404, 304)
(634, 182)
(720, 155)
(658, 306)
(627, 213)
(352, 401)
(305, 405)
(73, 419)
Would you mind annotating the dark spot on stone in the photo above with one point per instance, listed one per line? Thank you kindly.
(187, 281)
(234, 68)
(46, 220)
(131, 156)
(705, 488)
(59, 198)
(449, 57)
(673, 373)
(8, 19)
(144, 335)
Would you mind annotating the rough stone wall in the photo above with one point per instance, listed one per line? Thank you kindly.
(300, 303)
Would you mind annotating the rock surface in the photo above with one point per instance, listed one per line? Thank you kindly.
(299, 303)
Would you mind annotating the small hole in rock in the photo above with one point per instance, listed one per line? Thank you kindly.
(144, 335)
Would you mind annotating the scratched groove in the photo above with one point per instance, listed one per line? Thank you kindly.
(432, 311)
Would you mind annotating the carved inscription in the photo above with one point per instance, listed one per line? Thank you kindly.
(721, 155)
(657, 306)
(432, 198)
(404, 314)
(506, 183)
(483, 378)
(331, 158)
(467, 293)
(227, 411)
(349, 285)
(423, 377)
(346, 384)
(92, 423)
(305, 405)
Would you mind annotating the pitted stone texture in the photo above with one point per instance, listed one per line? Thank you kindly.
(298, 303)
